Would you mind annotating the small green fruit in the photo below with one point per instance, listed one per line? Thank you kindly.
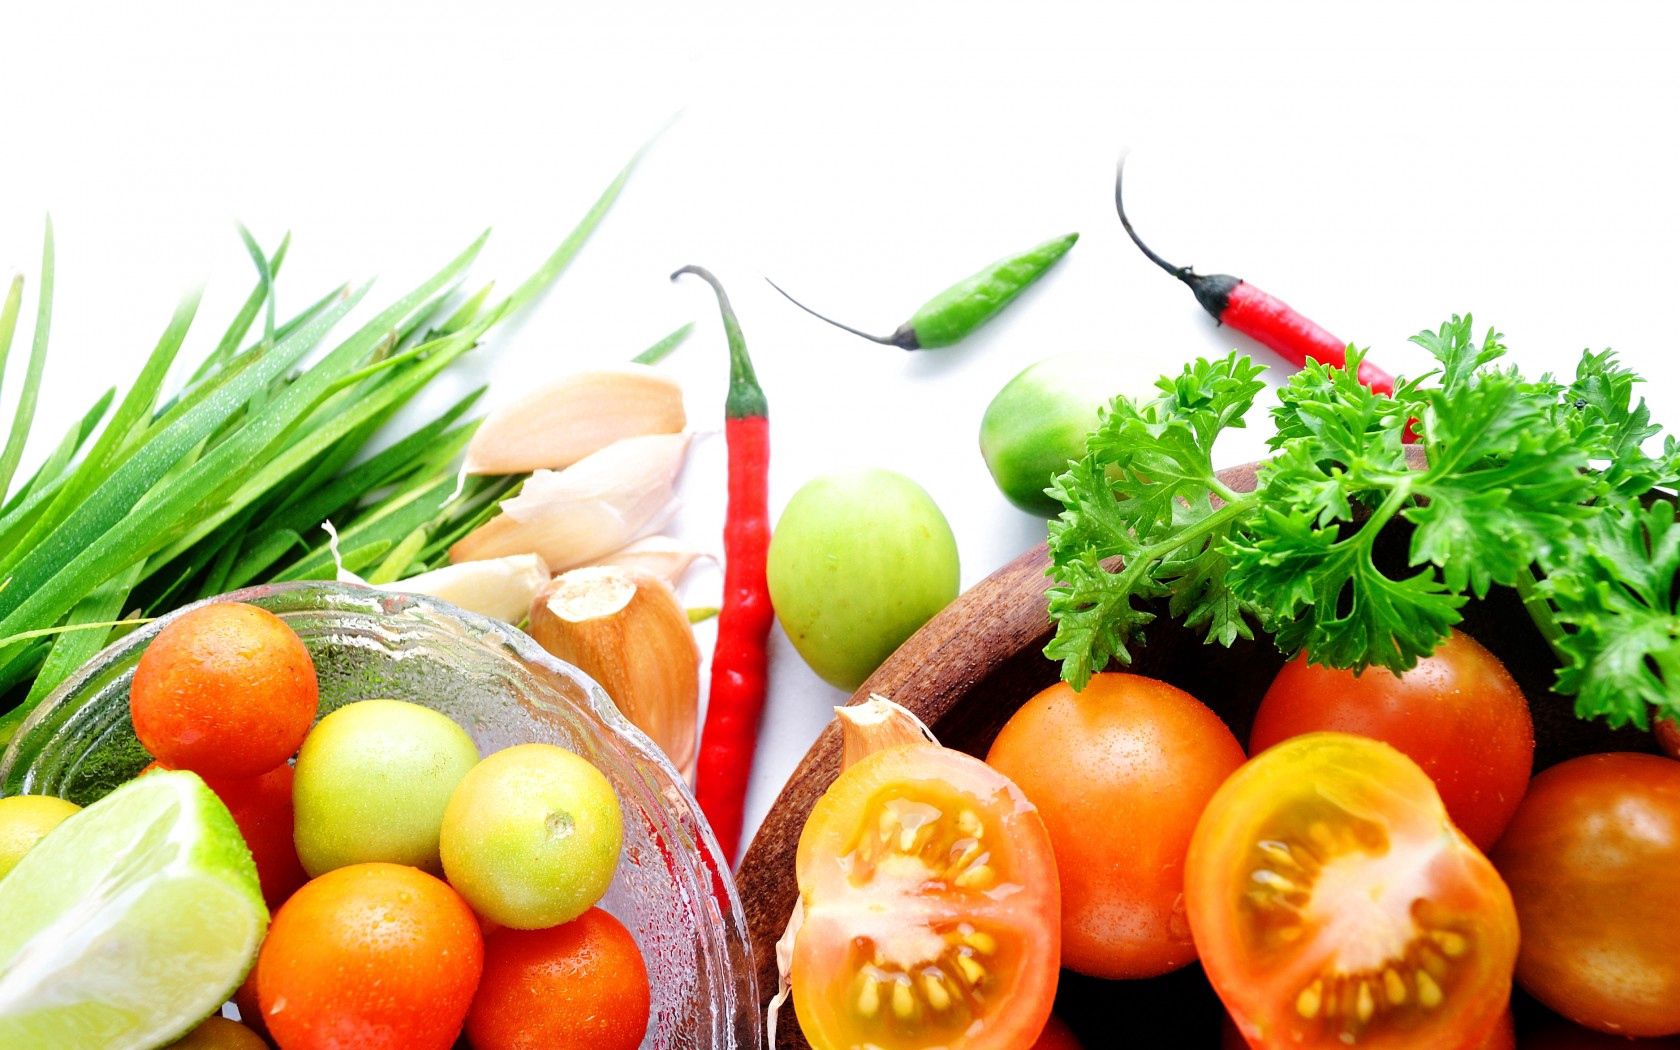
(532, 835)
(372, 782)
(1039, 421)
(858, 562)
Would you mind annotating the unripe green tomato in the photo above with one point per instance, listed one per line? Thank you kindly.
(371, 784)
(1039, 420)
(859, 560)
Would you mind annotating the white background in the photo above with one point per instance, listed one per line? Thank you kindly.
(1379, 167)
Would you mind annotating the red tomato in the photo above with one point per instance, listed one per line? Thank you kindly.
(225, 690)
(931, 913)
(1593, 860)
(581, 986)
(1056, 1036)
(1134, 762)
(1335, 904)
(1668, 737)
(262, 809)
(1458, 714)
(371, 956)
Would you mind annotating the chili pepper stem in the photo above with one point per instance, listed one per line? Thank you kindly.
(904, 338)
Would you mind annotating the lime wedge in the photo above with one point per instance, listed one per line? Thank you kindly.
(130, 922)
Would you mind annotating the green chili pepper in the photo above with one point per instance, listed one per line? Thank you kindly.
(952, 314)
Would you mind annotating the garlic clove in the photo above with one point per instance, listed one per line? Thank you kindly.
(598, 505)
(564, 421)
(626, 629)
(500, 588)
(662, 556)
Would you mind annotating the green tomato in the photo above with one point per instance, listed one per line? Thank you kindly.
(858, 562)
(371, 784)
(1039, 421)
(531, 837)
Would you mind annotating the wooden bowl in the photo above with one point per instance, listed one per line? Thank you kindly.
(968, 670)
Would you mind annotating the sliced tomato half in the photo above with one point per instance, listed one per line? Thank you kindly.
(932, 914)
(1335, 905)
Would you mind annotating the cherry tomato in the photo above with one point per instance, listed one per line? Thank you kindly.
(1503, 1036)
(225, 690)
(931, 908)
(1135, 761)
(373, 956)
(1336, 905)
(1668, 737)
(1056, 1036)
(1593, 860)
(581, 986)
(1458, 714)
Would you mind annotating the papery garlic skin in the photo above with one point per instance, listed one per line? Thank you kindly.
(500, 588)
(663, 556)
(598, 505)
(562, 422)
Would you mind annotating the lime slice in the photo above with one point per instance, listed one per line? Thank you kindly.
(130, 922)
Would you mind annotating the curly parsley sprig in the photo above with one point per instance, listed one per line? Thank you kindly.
(1539, 485)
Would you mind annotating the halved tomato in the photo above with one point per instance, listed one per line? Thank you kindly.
(932, 914)
(1335, 905)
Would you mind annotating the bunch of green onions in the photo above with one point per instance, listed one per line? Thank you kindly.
(161, 501)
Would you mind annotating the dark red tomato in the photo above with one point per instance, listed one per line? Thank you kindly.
(1593, 862)
(1458, 714)
(1335, 905)
(1668, 737)
(1056, 1036)
(1119, 771)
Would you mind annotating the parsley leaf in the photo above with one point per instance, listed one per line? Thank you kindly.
(1616, 593)
(1146, 493)
(1542, 485)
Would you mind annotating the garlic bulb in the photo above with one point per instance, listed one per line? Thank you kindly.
(561, 422)
(626, 629)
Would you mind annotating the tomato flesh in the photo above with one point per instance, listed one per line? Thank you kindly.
(1334, 904)
(931, 913)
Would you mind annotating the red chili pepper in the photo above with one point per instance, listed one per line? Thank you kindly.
(1260, 315)
(730, 735)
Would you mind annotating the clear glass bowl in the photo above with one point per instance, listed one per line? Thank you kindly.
(504, 689)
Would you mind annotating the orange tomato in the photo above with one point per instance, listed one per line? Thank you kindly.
(931, 908)
(581, 986)
(262, 809)
(1459, 714)
(219, 1033)
(371, 957)
(1593, 860)
(1119, 773)
(225, 690)
(1056, 1036)
(1336, 905)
